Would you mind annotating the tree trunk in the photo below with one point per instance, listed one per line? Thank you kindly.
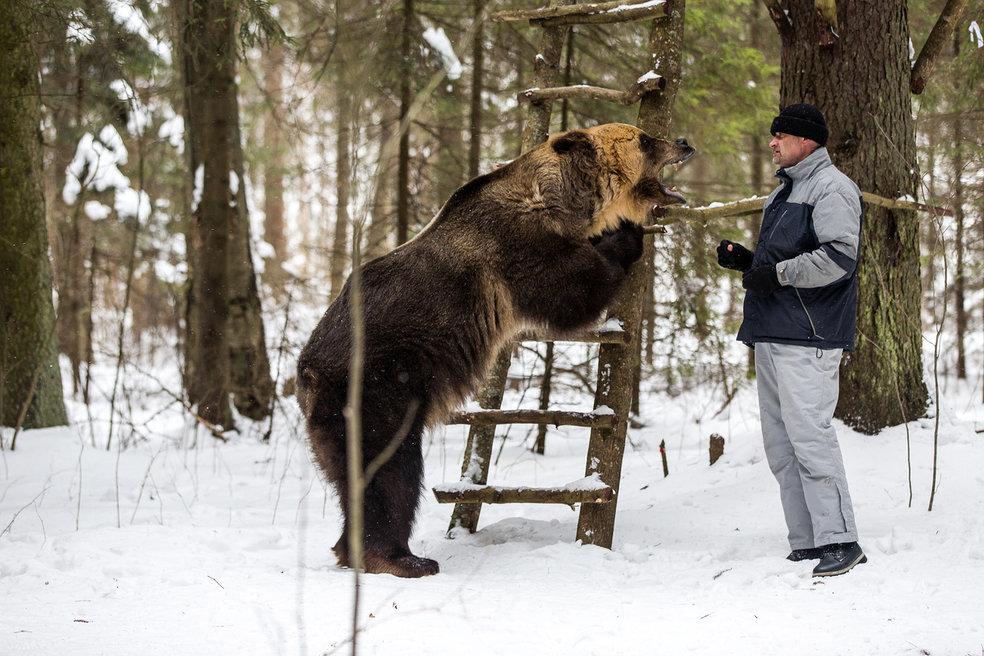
(343, 174)
(273, 168)
(959, 218)
(380, 224)
(403, 175)
(475, 107)
(29, 374)
(70, 229)
(861, 83)
(208, 32)
(252, 384)
(617, 364)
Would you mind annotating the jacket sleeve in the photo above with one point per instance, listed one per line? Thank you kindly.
(837, 223)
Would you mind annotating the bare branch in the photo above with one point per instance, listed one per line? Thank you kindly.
(941, 34)
(779, 17)
(595, 12)
(585, 92)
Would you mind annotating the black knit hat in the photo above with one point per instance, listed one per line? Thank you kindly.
(802, 120)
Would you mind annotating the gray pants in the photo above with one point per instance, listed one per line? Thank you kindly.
(797, 396)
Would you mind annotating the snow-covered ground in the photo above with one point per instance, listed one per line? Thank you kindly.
(219, 548)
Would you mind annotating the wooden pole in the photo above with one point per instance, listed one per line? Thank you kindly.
(478, 450)
(716, 449)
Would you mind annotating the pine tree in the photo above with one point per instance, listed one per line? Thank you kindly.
(29, 376)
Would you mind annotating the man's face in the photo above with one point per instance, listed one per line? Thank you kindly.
(789, 150)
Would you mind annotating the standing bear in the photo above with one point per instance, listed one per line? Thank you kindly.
(540, 243)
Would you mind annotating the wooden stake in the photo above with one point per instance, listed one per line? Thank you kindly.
(716, 447)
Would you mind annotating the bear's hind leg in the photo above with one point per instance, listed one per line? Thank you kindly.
(391, 501)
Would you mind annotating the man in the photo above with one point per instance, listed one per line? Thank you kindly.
(799, 314)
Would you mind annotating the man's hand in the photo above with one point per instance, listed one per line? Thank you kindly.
(734, 256)
(761, 280)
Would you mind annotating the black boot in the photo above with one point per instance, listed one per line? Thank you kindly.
(839, 559)
(813, 553)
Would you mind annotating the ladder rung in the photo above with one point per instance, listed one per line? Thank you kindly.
(531, 416)
(569, 495)
(585, 92)
(596, 336)
(594, 12)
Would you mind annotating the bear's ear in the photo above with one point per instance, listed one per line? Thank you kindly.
(579, 191)
(574, 141)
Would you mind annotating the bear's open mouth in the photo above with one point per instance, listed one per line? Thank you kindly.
(670, 190)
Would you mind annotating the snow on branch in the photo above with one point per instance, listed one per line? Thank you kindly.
(439, 42)
(595, 12)
(646, 83)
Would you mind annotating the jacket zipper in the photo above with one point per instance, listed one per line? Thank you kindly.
(781, 216)
(808, 317)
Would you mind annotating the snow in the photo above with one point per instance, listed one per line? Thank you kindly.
(96, 210)
(233, 190)
(196, 193)
(138, 115)
(78, 28)
(438, 41)
(637, 5)
(592, 482)
(611, 325)
(132, 203)
(603, 410)
(648, 75)
(129, 17)
(225, 548)
(95, 165)
(975, 34)
(172, 129)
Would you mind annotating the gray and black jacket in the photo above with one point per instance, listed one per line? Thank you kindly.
(811, 231)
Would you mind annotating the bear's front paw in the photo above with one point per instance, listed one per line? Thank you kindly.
(622, 246)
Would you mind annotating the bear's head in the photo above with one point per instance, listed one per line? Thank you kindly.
(612, 171)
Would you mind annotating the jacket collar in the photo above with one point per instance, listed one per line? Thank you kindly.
(815, 161)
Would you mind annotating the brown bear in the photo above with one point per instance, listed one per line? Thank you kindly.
(540, 243)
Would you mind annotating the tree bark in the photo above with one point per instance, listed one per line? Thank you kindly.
(380, 224)
(475, 107)
(225, 343)
(252, 383)
(403, 173)
(273, 168)
(71, 230)
(959, 277)
(30, 381)
(343, 174)
(861, 85)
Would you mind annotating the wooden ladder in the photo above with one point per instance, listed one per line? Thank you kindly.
(618, 355)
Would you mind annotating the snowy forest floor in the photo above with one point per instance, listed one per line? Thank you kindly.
(225, 548)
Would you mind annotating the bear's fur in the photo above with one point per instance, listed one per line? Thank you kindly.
(542, 242)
